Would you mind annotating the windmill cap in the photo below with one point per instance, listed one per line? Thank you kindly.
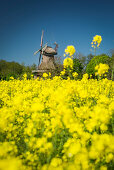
(49, 51)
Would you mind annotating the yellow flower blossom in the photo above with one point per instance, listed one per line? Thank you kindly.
(101, 69)
(96, 42)
(45, 75)
(75, 74)
(68, 63)
(56, 161)
(70, 50)
(56, 124)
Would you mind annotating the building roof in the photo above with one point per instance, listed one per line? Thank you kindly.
(48, 51)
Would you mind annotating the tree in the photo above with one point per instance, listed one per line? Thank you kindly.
(112, 64)
(8, 69)
(81, 57)
(89, 58)
(97, 60)
(33, 66)
(77, 67)
(58, 66)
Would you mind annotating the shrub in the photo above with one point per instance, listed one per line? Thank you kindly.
(97, 60)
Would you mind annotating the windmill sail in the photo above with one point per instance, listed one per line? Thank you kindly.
(42, 39)
(40, 50)
(36, 52)
(39, 59)
(41, 46)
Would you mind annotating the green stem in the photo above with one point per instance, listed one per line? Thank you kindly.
(95, 50)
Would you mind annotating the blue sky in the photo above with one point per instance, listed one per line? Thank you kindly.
(66, 22)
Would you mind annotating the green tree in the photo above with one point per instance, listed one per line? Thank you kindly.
(81, 58)
(112, 64)
(90, 69)
(8, 69)
(77, 67)
(33, 66)
(58, 66)
(89, 58)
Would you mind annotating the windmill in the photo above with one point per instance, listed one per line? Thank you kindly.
(42, 48)
(48, 63)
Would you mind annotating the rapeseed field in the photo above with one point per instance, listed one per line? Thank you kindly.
(56, 124)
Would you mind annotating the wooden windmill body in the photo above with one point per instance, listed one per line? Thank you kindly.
(47, 64)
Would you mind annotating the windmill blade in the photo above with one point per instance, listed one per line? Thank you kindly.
(44, 47)
(41, 43)
(42, 39)
(39, 58)
(37, 51)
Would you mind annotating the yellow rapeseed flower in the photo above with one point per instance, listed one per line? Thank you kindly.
(101, 69)
(70, 50)
(68, 62)
(56, 124)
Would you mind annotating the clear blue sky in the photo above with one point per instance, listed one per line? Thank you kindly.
(68, 22)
